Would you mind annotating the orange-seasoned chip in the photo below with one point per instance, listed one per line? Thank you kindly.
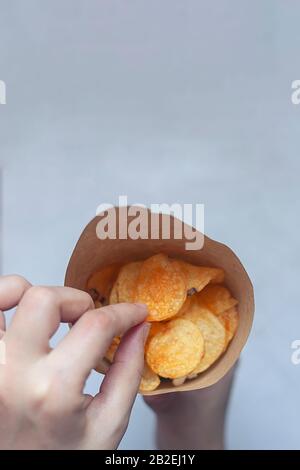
(161, 285)
(187, 304)
(213, 332)
(113, 297)
(124, 287)
(174, 351)
(110, 353)
(155, 328)
(199, 276)
(230, 320)
(179, 381)
(217, 298)
(150, 380)
(100, 283)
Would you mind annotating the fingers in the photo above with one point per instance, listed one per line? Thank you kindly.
(40, 312)
(12, 289)
(87, 342)
(121, 383)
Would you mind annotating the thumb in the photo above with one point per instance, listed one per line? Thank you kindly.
(121, 383)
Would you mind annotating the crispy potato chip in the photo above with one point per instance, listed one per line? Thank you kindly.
(230, 320)
(179, 381)
(193, 317)
(100, 283)
(187, 304)
(174, 351)
(161, 285)
(213, 332)
(124, 287)
(155, 328)
(110, 353)
(192, 376)
(150, 380)
(127, 281)
(113, 297)
(199, 276)
(216, 298)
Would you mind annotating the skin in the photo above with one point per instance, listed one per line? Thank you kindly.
(42, 405)
(192, 420)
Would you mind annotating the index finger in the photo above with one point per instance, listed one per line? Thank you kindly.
(40, 312)
(88, 340)
(12, 289)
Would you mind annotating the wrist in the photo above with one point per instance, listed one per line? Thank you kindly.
(203, 431)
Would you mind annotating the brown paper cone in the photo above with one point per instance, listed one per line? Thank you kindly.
(91, 254)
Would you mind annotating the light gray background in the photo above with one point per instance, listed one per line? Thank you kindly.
(165, 101)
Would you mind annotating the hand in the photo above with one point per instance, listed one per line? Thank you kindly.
(42, 405)
(192, 420)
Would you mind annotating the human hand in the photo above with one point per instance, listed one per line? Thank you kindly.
(192, 420)
(42, 405)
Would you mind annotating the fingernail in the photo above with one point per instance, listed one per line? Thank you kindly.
(146, 328)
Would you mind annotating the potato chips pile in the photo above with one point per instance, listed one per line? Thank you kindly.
(193, 316)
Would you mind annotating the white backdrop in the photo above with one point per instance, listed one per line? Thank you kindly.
(165, 101)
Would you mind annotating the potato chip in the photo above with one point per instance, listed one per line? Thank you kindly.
(154, 329)
(216, 298)
(179, 381)
(124, 287)
(161, 285)
(192, 376)
(213, 332)
(187, 304)
(113, 297)
(193, 316)
(230, 320)
(150, 380)
(199, 276)
(174, 351)
(100, 283)
(110, 353)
